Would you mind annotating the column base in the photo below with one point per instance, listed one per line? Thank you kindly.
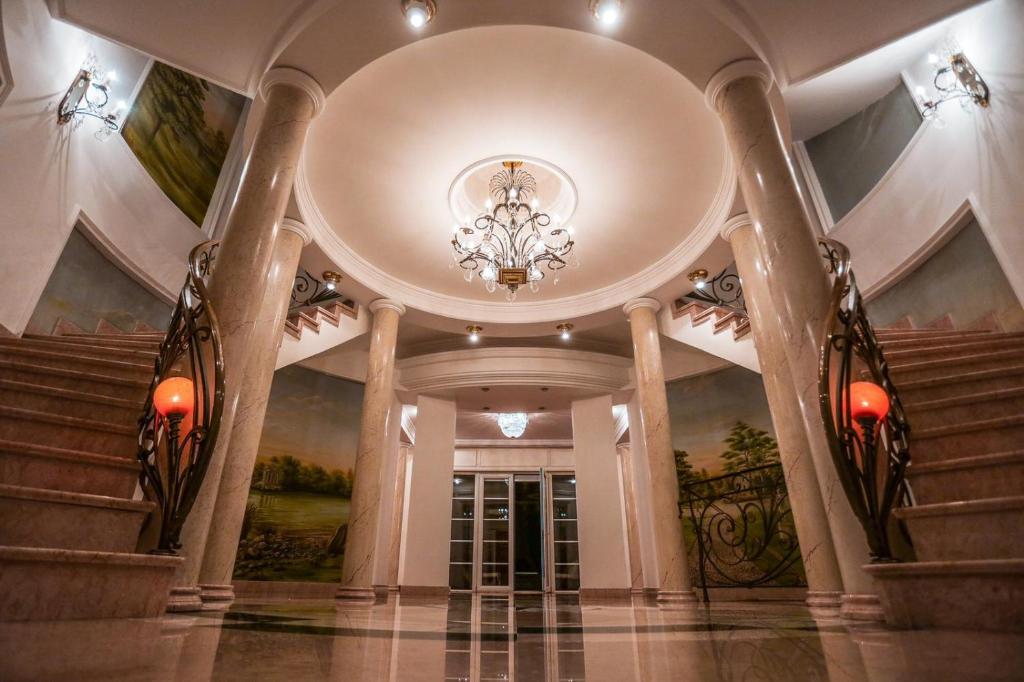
(184, 600)
(217, 597)
(820, 599)
(669, 597)
(356, 594)
(862, 607)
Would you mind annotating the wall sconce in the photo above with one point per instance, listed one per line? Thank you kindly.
(89, 95)
(957, 81)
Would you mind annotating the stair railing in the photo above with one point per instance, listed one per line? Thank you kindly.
(871, 455)
(175, 452)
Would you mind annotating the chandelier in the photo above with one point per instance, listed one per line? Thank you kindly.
(512, 243)
(513, 424)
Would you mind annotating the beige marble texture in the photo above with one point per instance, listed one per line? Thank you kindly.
(241, 269)
(398, 510)
(229, 511)
(797, 282)
(36, 466)
(824, 581)
(636, 569)
(673, 578)
(378, 396)
(991, 528)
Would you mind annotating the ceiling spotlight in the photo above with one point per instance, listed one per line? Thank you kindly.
(474, 332)
(607, 12)
(331, 278)
(565, 330)
(419, 12)
(699, 278)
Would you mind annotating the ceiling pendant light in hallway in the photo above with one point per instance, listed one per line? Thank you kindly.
(513, 424)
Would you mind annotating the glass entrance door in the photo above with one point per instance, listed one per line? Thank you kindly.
(528, 511)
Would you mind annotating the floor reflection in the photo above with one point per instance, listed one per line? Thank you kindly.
(492, 637)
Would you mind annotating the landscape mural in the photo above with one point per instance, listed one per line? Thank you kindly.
(180, 128)
(298, 507)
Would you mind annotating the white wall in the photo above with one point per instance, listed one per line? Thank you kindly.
(976, 159)
(52, 175)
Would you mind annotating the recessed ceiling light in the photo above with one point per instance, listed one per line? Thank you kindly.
(419, 12)
(607, 12)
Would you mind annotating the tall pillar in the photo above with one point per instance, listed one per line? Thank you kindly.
(397, 516)
(824, 581)
(636, 571)
(798, 287)
(670, 551)
(357, 570)
(268, 332)
(243, 263)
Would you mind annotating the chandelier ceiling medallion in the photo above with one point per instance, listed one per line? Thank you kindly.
(511, 242)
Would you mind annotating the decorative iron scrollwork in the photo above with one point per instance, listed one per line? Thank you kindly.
(309, 291)
(723, 290)
(172, 473)
(871, 466)
(745, 536)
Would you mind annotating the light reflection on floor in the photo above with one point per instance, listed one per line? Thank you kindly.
(529, 638)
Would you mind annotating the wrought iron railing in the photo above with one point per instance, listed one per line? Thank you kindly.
(308, 291)
(743, 529)
(723, 290)
(175, 452)
(871, 457)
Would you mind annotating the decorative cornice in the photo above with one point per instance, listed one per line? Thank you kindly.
(535, 443)
(744, 68)
(641, 303)
(299, 228)
(735, 223)
(283, 75)
(382, 303)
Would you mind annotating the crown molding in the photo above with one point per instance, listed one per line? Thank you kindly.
(632, 305)
(386, 303)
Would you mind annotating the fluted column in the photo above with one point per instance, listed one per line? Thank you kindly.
(670, 552)
(824, 581)
(378, 396)
(797, 284)
(243, 265)
(232, 496)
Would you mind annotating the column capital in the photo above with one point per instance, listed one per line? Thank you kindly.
(744, 68)
(382, 303)
(284, 75)
(734, 223)
(635, 303)
(299, 228)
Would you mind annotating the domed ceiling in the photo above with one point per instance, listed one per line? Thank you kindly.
(647, 159)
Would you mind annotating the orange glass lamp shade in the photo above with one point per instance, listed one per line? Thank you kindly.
(174, 397)
(868, 401)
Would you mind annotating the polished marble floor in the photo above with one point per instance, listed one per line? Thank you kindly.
(497, 638)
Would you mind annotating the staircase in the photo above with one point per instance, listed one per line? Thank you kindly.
(964, 395)
(68, 437)
(705, 326)
(313, 330)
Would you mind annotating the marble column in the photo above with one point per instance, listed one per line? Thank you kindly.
(357, 570)
(636, 571)
(798, 288)
(243, 263)
(232, 496)
(824, 581)
(397, 517)
(670, 552)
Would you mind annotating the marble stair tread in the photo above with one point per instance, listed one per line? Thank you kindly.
(927, 414)
(74, 379)
(126, 336)
(968, 478)
(967, 529)
(893, 334)
(899, 344)
(61, 431)
(980, 594)
(953, 383)
(964, 362)
(38, 466)
(54, 344)
(120, 343)
(57, 519)
(116, 368)
(979, 437)
(72, 403)
(60, 584)
(896, 354)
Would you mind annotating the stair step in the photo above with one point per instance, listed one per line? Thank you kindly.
(70, 403)
(55, 344)
(953, 383)
(933, 351)
(127, 336)
(899, 334)
(986, 594)
(980, 437)
(986, 405)
(967, 530)
(72, 433)
(60, 584)
(67, 360)
(35, 517)
(994, 340)
(963, 363)
(968, 478)
(76, 471)
(126, 342)
(75, 380)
